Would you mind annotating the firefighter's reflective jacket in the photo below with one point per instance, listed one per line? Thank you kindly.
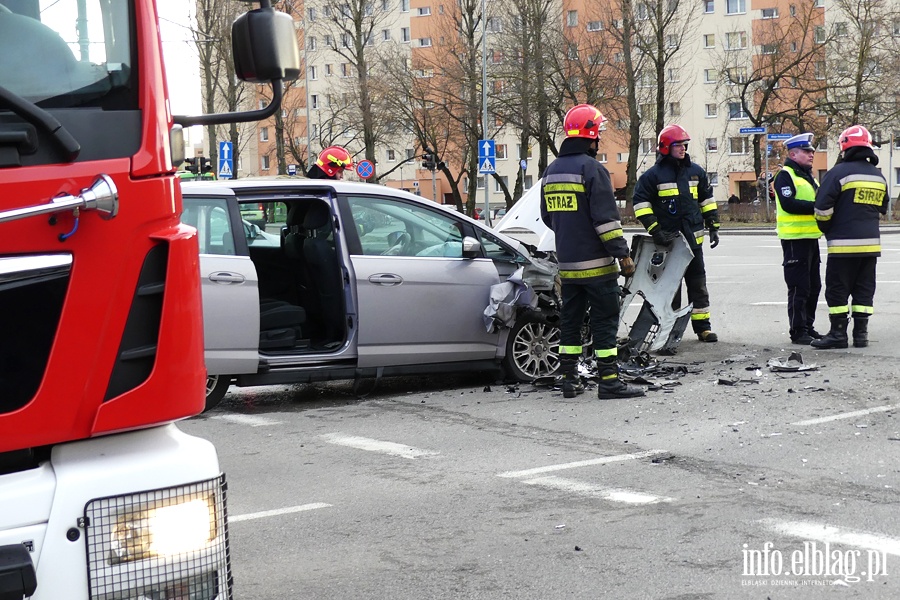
(676, 196)
(578, 204)
(848, 204)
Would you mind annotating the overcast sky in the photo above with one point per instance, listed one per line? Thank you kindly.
(182, 68)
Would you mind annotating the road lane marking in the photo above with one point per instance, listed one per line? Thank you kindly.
(278, 511)
(848, 415)
(581, 463)
(370, 445)
(838, 535)
(595, 491)
(250, 420)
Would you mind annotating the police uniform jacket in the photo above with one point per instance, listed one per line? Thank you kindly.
(848, 204)
(795, 195)
(578, 204)
(676, 195)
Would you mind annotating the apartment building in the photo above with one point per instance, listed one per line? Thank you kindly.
(717, 47)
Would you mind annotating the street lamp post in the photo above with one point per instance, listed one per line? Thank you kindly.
(484, 120)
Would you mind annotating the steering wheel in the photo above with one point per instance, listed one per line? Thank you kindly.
(399, 242)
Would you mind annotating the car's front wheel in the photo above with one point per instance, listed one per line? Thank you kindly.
(532, 350)
(216, 386)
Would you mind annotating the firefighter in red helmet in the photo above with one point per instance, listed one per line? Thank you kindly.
(331, 164)
(674, 197)
(578, 204)
(849, 203)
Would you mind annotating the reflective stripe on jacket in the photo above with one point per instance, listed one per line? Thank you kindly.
(794, 226)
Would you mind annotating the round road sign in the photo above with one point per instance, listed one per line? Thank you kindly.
(365, 169)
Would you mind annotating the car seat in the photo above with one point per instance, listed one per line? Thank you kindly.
(323, 265)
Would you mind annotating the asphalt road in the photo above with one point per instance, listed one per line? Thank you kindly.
(778, 486)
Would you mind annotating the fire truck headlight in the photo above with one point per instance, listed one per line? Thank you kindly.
(163, 531)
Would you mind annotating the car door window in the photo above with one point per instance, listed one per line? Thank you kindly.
(210, 217)
(390, 227)
(495, 249)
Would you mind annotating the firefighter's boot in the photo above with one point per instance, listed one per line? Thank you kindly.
(860, 331)
(837, 337)
(572, 385)
(610, 385)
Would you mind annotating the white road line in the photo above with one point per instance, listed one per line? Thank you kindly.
(278, 511)
(836, 535)
(581, 463)
(849, 415)
(596, 491)
(361, 443)
(250, 420)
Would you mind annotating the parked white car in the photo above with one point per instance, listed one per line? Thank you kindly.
(351, 280)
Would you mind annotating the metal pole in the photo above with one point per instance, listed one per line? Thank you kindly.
(434, 184)
(484, 121)
(766, 139)
(306, 83)
(891, 179)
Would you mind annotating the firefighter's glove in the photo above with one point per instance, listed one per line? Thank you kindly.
(664, 238)
(713, 237)
(627, 266)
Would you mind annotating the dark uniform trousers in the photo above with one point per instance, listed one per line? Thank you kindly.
(802, 265)
(603, 298)
(697, 292)
(851, 276)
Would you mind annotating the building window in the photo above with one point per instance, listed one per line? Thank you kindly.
(313, 130)
(311, 44)
(793, 10)
(501, 151)
(709, 40)
(896, 27)
(737, 75)
(328, 70)
(595, 26)
(709, 7)
(671, 41)
(735, 40)
(736, 111)
(264, 162)
(770, 13)
(479, 183)
(404, 34)
(739, 145)
(264, 134)
(495, 24)
(313, 72)
(527, 182)
(497, 187)
(674, 109)
(601, 157)
(424, 42)
(263, 103)
(712, 110)
(423, 11)
(819, 3)
(410, 153)
(641, 13)
(311, 14)
(345, 70)
(404, 5)
(391, 156)
(734, 7)
(820, 69)
(712, 145)
(572, 18)
(712, 177)
(621, 157)
(527, 149)
(897, 175)
(709, 75)
(820, 34)
(385, 35)
(329, 40)
(647, 145)
(793, 46)
(314, 101)
(840, 29)
(769, 48)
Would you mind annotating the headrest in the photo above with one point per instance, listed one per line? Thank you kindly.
(318, 215)
(295, 213)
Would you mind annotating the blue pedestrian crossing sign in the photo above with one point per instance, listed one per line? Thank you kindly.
(487, 156)
(225, 161)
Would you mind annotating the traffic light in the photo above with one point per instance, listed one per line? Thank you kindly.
(191, 165)
(429, 162)
(203, 165)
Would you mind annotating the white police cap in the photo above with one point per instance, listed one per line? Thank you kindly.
(801, 140)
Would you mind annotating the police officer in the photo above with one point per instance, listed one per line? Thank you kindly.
(672, 197)
(848, 205)
(579, 206)
(795, 198)
(331, 163)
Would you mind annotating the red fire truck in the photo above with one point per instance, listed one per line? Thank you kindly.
(101, 349)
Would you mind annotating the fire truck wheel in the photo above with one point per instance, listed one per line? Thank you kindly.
(216, 386)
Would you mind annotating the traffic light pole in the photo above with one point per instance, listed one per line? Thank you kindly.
(434, 183)
(484, 119)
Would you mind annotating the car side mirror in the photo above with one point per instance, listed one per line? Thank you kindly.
(471, 248)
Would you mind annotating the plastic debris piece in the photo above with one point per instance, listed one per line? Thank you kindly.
(794, 363)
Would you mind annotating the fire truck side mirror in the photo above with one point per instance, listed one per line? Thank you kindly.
(264, 44)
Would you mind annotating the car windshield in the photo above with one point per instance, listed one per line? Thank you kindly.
(65, 53)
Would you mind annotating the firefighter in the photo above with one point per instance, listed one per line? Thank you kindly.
(848, 205)
(674, 197)
(578, 204)
(331, 164)
(795, 198)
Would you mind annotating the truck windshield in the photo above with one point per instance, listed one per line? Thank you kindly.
(66, 53)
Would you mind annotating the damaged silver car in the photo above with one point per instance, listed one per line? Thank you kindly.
(346, 280)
